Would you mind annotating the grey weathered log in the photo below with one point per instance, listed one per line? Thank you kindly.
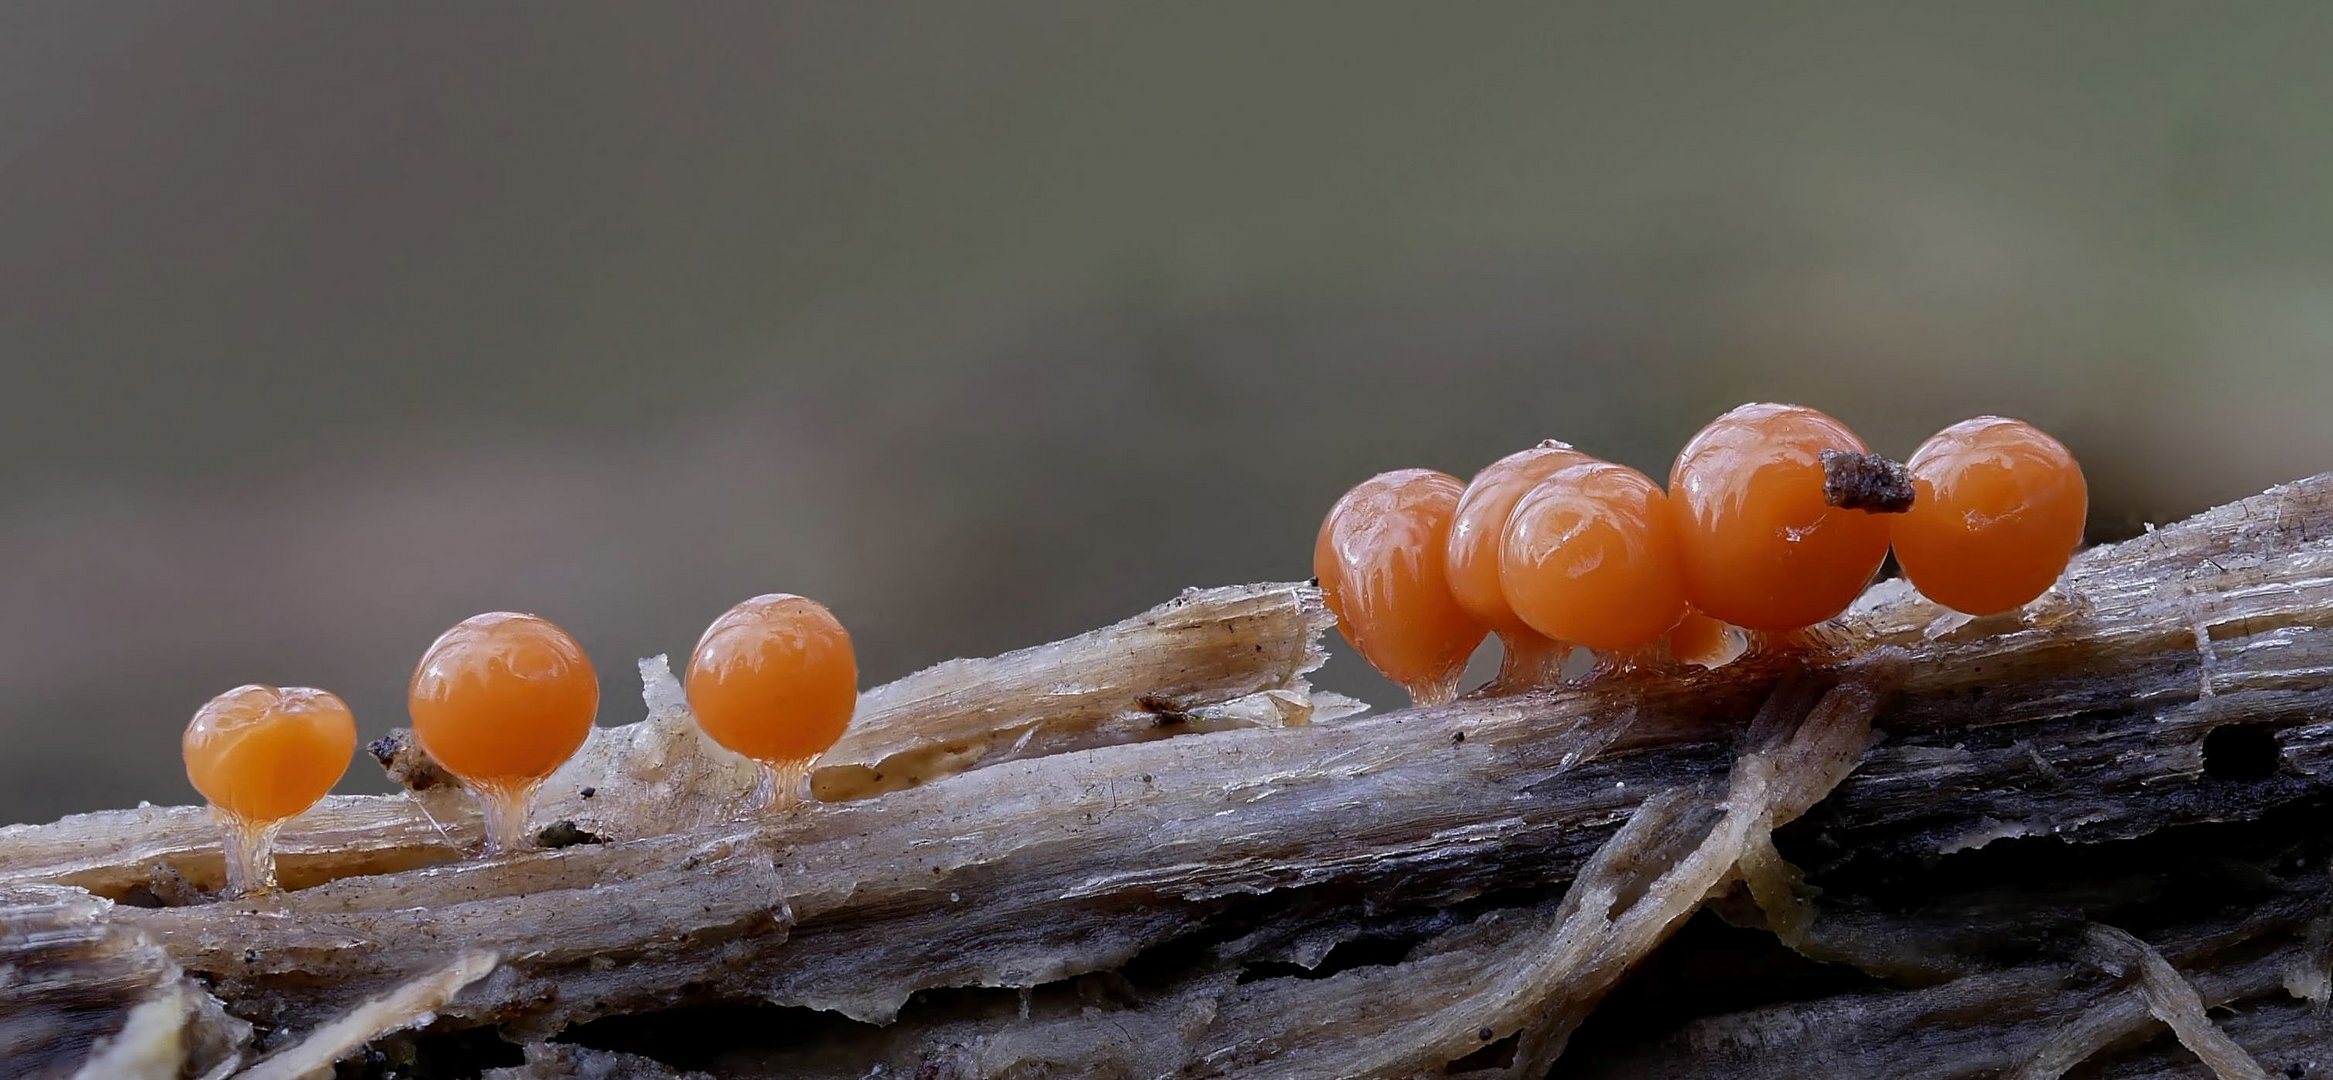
(2086, 720)
(2293, 1038)
(2041, 1019)
(82, 995)
(1228, 657)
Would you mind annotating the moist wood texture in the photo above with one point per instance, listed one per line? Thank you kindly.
(1153, 850)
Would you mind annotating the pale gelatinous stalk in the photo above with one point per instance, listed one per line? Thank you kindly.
(778, 785)
(249, 850)
(1528, 661)
(506, 808)
(1434, 691)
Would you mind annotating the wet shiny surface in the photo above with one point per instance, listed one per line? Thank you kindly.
(1591, 557)
(1997, 511)
(1481, 525)
(774, 679)
(503, 699)
(1380, 557)
(1701, 640)
(1761, 547)
(262, 754)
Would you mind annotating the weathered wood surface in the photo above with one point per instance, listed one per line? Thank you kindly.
(1140, 830)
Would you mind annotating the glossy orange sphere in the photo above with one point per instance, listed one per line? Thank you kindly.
(1762, 547)
(503, 699)
(1591, 557)
(1998, 509)
(774, 679)
(263, 754)
(1381, 558)
(1480, 527)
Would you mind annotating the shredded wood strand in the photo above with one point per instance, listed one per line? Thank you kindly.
(410, 1005)
(560, 1061)
(2174, 1001)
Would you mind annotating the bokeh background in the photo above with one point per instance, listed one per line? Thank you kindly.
(325, 326)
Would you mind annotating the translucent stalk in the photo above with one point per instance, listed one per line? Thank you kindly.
(250, 854)
(1440, 691)
(506, 807)
(1615, 663)
(778, 785)
(1527, 662)
(1784, 642)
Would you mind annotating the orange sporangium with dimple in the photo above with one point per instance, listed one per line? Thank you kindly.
(263, 756)
(1762, 547)
(1476, 532)
(501, 701)
(1590, 556)
(1381, 559)
(775, 679)
(1998, 508)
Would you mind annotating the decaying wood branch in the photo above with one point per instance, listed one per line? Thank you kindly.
(1153, 850)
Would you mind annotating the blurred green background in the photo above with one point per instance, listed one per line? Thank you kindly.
(325, 326)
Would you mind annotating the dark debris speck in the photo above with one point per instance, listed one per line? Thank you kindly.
(405, 762)
(170, 888)
(1866, 482)
(1165, 713)
(565, 834)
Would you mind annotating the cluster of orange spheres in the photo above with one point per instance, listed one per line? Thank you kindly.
(502, 700)
(1552, 549)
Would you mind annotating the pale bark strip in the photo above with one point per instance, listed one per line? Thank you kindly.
(559, 1061)
(150, 1046)
(1535, 971)
(81, 994)
(1226, 658)
(2089, 1032)
(2292, 1038)
(1203, 648)
(410, 1005)
(1210, 659)
(2033, 1021)
(1771, 786)
(2173, 1000)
